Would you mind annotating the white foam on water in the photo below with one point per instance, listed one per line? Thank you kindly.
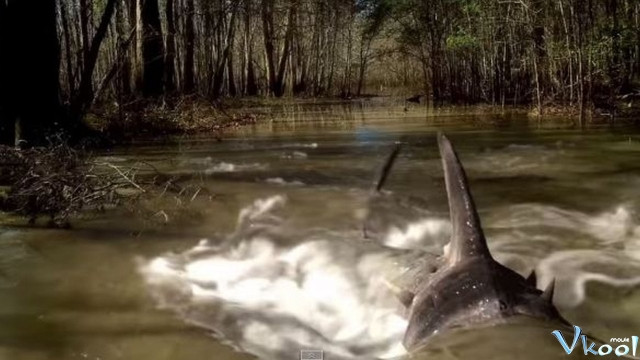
(302, 145)
(609, 252)
(609, 227)
(260, 209)
(272, 291)
(321, 292)
(295, 155)
(225, 167)
(414, 234)
(573, 270)
(281, 181)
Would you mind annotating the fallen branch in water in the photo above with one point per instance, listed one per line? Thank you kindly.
(59, 182)
(53, 181)
(123, 175)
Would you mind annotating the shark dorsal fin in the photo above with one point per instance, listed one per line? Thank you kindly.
(467, 238)
(548, 292)
(532, 279)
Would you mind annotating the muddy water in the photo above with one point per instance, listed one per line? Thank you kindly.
(275, 261)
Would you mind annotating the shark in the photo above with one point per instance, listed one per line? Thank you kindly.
(468, 287)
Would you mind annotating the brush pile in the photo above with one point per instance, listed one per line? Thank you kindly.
(184, 116)
(56, 181)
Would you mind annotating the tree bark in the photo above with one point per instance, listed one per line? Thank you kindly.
(251, 87)
(67, 42)
(276, 72)
(189, 43)
(85, 95)
(124, 75)
(152, 49)
(222, 61)
(170, 55)
(85, 13)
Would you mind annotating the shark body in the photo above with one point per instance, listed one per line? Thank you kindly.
(469, 287)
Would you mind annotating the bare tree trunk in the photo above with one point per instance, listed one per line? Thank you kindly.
(170, 54)
(135, 22)
(251, 87)
(276, 73)
(189, 43)
(85, 95)
(124, 75)
(67, 43)
(230, 72)
(152, 49)
(568, 45)
(268, 29)
(222, 61)
(282, 66)
(85, 13)
(365, 49)
(537, 80)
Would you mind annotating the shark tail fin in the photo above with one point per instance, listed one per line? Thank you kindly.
(467, 237)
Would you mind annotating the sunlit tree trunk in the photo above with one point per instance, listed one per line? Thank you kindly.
(85, 18)
(85, 94)
(124, 32)
(251, 86)
(68, 52)
(218, 78)
(276, 70)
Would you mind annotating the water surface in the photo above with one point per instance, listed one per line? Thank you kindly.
(284, 265)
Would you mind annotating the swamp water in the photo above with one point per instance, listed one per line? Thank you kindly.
(276, 262)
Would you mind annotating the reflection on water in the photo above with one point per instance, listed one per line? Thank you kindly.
(293, 270)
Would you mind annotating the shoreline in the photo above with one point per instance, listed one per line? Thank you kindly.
(193, 116)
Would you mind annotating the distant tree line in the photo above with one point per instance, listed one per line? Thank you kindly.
(521, 51)
(61, 56)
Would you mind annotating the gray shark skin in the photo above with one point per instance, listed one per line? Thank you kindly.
(470, 288)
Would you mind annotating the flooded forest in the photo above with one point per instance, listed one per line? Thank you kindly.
(293, 179)
(122, 56)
